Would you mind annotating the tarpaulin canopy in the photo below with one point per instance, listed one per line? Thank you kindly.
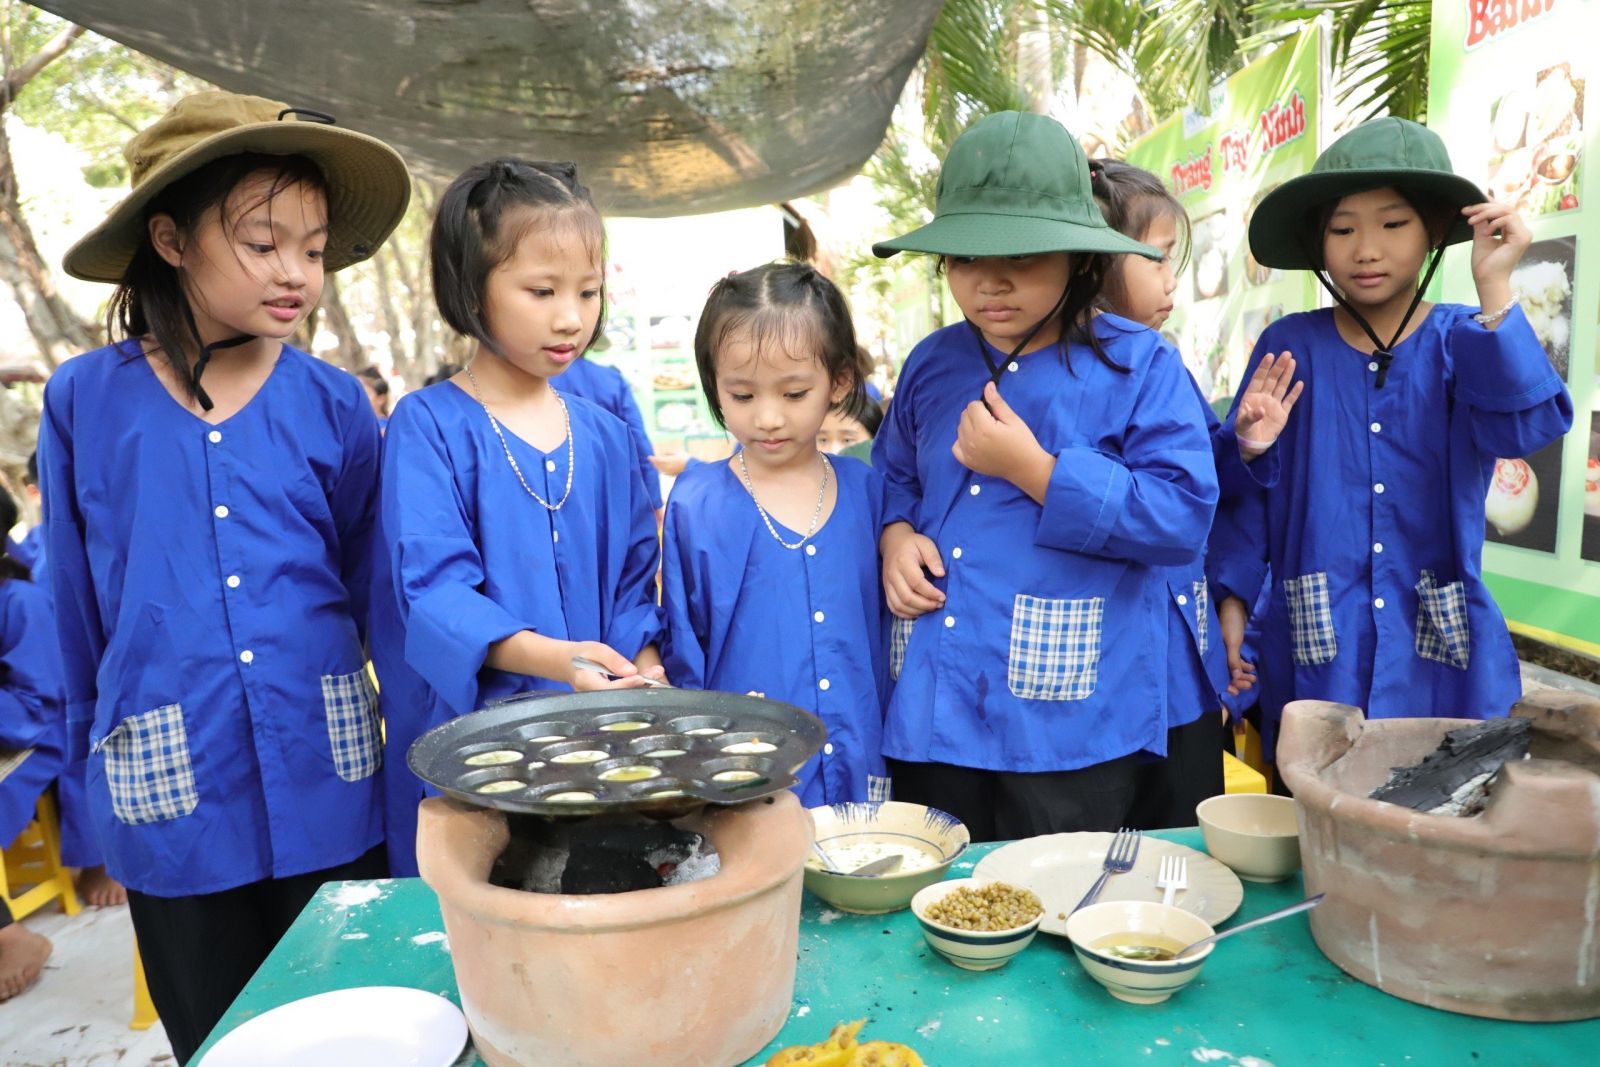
(668, 108)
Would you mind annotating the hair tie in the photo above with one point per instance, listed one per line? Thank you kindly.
(1097, 179)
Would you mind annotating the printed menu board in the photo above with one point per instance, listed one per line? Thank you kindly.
(1510, 93)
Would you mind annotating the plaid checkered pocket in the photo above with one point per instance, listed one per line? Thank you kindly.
(351, 705)
(1311, 619)
(899, 638)
(1055, 647)
(1442, 631)
(148, 768)
(1202, 615)
(878, 788)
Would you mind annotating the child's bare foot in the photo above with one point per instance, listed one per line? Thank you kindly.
(98, 889)
(22, 956)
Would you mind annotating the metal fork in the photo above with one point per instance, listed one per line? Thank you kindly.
(1120, 858)
(1174, 875)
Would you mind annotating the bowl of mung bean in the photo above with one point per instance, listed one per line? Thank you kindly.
(975, 923)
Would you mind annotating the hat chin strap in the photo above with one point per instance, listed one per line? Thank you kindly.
(206, 352)
(1382, 353)
(997, 369)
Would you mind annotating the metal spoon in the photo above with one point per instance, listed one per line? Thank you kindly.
(826, 859)
(1271, 916)
(584, 663)
(885, 865)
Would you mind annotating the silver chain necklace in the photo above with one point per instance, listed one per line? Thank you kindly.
(816, 516)
(566, 419)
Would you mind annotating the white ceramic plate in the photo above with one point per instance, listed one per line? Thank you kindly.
(368, 1026)
(1060, 868)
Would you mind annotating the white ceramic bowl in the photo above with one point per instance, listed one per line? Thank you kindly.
(852, 830)
(1255, 834)
(973, 950)
(1137, 981)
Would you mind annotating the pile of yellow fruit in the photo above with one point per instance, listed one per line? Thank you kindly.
(842, 1050)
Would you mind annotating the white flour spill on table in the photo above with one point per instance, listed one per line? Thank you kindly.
(931, 1027)
(352, 895)
(1163, 1041)
(431, 937)
(802, 1011)
(829, 917)
(1214, 1055)
(1256, 1061)
(352, 937)
(1210, 1055)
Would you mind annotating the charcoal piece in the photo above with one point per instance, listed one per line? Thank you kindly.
(605, 854)
(1468, 753)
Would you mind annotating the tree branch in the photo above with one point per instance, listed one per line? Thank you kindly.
(52, 50)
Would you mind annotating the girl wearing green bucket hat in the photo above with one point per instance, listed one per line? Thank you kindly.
(1044, 464)
(209, 494)
(1370, 520)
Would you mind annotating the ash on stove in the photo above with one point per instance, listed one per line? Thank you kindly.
(604, 854)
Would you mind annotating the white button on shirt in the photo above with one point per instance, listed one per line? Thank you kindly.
(233, 581)
(1377, 546)
(949, 621)
(550, 465)
(220, 511)
(824, 684)
(955, 553)
(555, 535)
(975, 490)
(1378, 603)
(811, 550)
(1012, 366)
(818, 617)
(246, 656)
(1377, 427)
(827, 749)
(215, 437)
(1378, 488)
(1182, 599)
(1373, 365)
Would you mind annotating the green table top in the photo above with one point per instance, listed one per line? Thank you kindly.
(1268, 997)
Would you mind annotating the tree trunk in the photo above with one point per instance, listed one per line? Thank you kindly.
(348, 353)
(57, 330)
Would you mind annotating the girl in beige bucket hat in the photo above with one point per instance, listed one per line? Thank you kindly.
(208, 540)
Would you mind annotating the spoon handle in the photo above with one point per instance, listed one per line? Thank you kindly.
(1271, 916)
(583, 663)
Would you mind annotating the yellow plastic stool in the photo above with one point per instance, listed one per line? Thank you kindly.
(144, 1011)
(34, 859)
(1239, 777)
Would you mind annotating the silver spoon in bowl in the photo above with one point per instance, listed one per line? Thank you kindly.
(1271, 916)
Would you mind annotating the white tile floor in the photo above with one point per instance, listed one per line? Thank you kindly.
(77, 1015)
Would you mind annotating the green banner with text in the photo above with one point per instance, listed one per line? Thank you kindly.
(1264, 127)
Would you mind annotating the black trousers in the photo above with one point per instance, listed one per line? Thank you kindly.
(1005, 805)
(5, 915)
(1170, 789)
(199, 951)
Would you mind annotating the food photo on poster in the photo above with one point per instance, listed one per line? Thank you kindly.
(1543, 282)
(1591, 494)
(1536, 141)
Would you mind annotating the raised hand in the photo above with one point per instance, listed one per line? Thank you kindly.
(1499, 238)
(1264, 409)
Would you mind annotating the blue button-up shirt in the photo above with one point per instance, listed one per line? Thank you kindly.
(1373, 525)
(1050, 652)
(806, 626)
(208, 584)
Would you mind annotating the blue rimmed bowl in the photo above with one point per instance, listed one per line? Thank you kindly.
(854, 834)
(1093, 929)
(972, 950)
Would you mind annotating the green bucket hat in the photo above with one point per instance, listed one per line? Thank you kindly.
(1014, 184)
(1388, 152)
